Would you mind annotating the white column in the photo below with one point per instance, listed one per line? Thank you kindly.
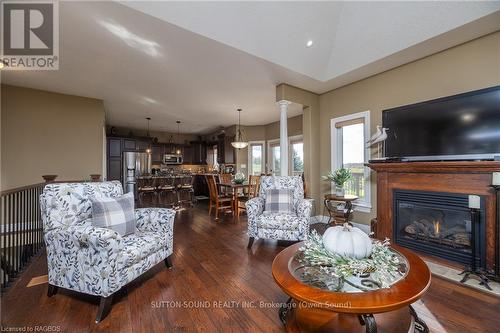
(283, 137)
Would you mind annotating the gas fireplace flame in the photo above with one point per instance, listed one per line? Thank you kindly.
(437, 227)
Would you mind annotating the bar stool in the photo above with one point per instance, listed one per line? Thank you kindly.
(167, 189)
(186, 190)
(146, 186)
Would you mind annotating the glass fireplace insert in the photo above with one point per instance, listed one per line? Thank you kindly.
(439, 224)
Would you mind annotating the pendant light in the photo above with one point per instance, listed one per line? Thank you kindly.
(178, 150)
(148, 150)
(238, 142)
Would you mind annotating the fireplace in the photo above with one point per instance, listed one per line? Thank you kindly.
(440, 225)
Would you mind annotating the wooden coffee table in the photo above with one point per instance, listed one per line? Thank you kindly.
(312, 308)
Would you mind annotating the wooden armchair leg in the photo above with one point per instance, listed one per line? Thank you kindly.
(52, 290)
(104, 308)
(250, 242)
(168, 262)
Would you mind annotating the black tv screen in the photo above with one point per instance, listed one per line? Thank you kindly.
(459, 127)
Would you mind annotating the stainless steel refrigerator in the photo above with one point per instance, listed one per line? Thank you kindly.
(135, 164)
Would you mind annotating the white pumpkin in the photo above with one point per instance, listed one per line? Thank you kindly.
(347, 241)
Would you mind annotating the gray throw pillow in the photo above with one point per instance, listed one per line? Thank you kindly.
(279, 201)
(114, 213)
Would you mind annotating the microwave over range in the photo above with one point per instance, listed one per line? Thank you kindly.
(172, 159)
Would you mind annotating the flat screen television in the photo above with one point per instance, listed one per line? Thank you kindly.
(459, 127)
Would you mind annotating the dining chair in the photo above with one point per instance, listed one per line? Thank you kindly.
(252, 192)
(225, 178)
(217, 201)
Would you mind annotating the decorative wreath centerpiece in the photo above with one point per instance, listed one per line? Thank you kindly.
(346, 251)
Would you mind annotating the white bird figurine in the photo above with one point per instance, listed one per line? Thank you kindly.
(381, 138)
(376, 135)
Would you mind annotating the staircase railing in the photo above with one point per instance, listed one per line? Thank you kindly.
(21, 234)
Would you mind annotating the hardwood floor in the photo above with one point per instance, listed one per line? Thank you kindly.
(216, 285)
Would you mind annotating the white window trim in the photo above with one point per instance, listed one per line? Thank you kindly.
(336, 155)
(263, 163)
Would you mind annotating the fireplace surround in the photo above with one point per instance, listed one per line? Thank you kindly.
(454, 178)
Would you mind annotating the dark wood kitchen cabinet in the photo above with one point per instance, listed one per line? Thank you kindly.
(220, 149)
(157, 152)
(229, 151)
(225, 151)
(114, 159)
(114, 171)
(199, 152)
(114, 147)
(129, 144)
(187, 155)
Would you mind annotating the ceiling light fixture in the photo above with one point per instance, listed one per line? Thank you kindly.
(309, 43)
(147, 134)
(239, 143)
(178, 150)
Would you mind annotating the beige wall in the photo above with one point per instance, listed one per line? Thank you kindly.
(49, 133)
(466, 67)
(294, 127)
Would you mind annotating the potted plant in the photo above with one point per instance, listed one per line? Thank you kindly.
(339, 177)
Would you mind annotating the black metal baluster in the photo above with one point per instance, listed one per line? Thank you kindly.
(9, 237)
(3, 245)
(25, 223)
(28, 224)
(32, 222)
(39, 219)
(22, 205)
(16, 232)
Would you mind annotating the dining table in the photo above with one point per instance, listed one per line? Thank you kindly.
(235, 187)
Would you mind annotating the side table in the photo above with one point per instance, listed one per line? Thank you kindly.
(339, 216)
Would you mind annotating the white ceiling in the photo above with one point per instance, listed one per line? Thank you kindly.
(199, 61)
(346, 35)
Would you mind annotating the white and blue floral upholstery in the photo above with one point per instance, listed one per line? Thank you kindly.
(95, 260)
(280, 226)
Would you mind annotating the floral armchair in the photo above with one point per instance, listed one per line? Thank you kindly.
(98, 261)
(279, 226)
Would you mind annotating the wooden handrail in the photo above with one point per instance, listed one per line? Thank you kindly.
(22, 188)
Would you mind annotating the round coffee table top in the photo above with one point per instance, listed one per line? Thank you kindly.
(406, 290)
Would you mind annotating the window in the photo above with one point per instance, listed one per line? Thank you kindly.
(213, 158)
(349, 134)
(296, 158)
(273, 164)
(256, 157)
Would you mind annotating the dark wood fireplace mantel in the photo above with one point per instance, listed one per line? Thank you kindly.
(469, 177)
(439, 167)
